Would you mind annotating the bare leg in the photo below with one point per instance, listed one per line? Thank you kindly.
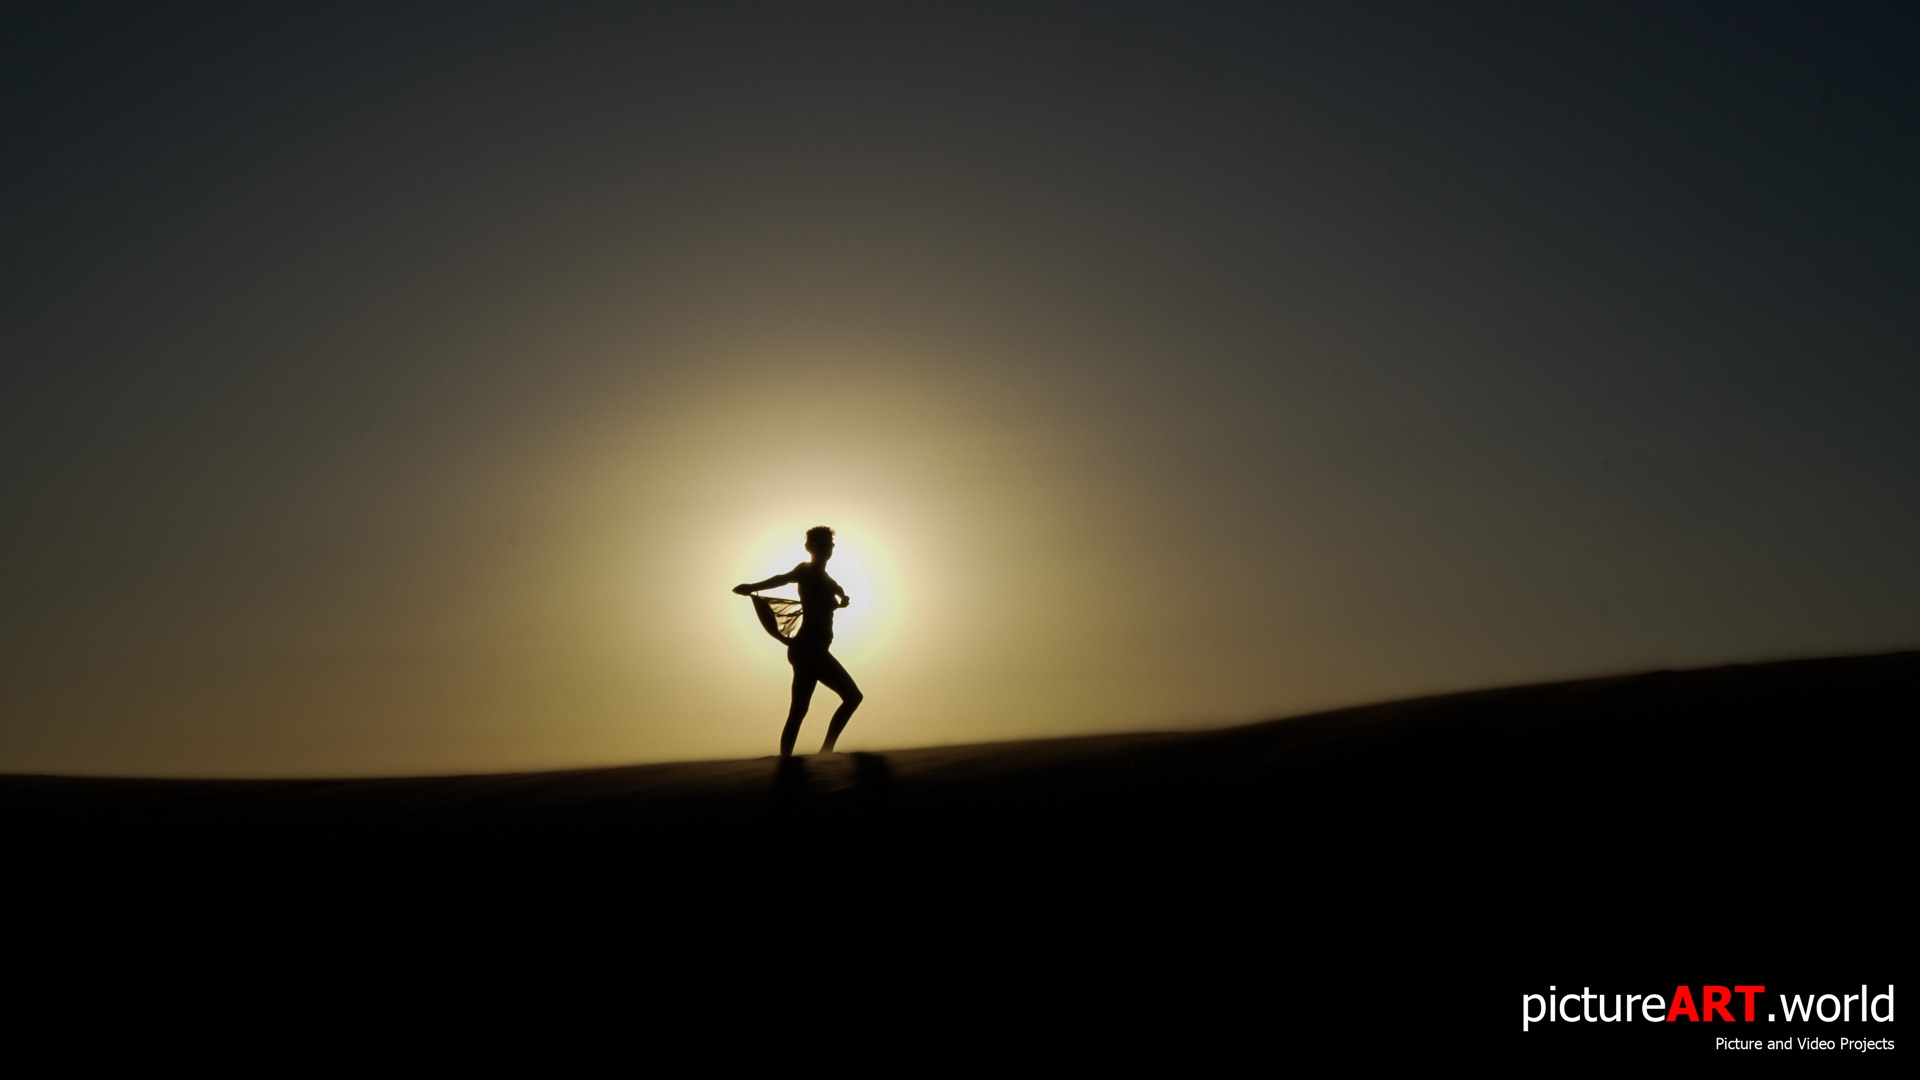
(838, 681)
(804, 680)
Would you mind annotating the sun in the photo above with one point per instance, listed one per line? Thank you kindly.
(855, 565)
(850, 570)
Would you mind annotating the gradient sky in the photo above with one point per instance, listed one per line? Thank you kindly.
(401, 388)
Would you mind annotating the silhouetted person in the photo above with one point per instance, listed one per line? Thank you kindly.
(820, 596)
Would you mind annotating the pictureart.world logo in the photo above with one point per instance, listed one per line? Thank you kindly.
(1721, 1004)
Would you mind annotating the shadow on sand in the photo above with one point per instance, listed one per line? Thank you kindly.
(862, 777)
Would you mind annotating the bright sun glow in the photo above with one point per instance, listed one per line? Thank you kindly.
(846, 568)
(857, 564)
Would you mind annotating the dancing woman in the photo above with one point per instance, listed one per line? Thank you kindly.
(820, 596)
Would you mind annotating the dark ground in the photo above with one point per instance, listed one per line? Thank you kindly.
(1339, 889)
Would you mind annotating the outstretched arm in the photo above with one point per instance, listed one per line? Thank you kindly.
(777, 579)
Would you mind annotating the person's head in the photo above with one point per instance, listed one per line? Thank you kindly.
(820, 542)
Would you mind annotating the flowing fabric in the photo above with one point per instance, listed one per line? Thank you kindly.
(779, 616)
